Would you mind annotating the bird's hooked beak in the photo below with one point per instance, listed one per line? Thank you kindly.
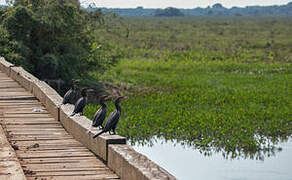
(90, 90)
(107, 98)
(75, 80)
(125, 98)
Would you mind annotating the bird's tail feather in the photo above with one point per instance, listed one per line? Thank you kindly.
(73, 114)
(98, 134)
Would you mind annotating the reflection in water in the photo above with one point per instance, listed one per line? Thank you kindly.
(268, 147)
(188, 163)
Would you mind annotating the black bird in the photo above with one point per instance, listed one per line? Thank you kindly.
(113, 118)
(70, 95)
(81, 103)
(100, 114)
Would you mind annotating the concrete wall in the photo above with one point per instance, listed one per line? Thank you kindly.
(129, 164)
(112, 149)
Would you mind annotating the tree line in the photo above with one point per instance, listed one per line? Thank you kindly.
(215, 10)
(55, 39)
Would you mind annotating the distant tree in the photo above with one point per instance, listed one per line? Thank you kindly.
(217, 6)
(168, 12)
(55, 39)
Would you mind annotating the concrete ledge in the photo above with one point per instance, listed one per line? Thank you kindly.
(24, 78)
(131, 165)
(79, 126)
(48, 96)
(10, 168)
(52, 104)
(5, 66)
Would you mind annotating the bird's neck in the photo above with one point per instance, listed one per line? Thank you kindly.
(118, 107)
(73, 87)
(103, 104)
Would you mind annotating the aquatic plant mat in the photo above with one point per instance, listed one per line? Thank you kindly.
(217, 84)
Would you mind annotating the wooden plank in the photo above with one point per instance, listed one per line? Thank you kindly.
(30, 122)
(17, 106)
(64, 134)
(38, 138)
(20, 104)
(52, 153)
(15, 93)
(9, 85)
(61, 160)
(25, 144)
(4, 77)
(23, 120)
(37, 132)
(82, 177)
(48, 151)
(32, 115)
(19, 101)
(18, 98)
(55, 149)
(26, 110)
(18, 89)
(62, 166)
(33, 126)
(4, 80)
(48, 146)
(65, 141)
(55, 156)
(101, 173)
(44, 129)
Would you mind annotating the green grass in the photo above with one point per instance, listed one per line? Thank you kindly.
(238, 103)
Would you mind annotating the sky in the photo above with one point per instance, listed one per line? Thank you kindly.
(179, 3)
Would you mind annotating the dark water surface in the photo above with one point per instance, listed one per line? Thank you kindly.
(190, 164)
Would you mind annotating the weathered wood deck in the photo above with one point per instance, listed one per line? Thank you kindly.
(45, 150)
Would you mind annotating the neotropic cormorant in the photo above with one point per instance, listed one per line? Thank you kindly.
(113, 118)
(81, 103)
(100, 114)
(70, 96)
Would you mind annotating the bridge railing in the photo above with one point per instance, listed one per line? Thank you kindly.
(112, 149)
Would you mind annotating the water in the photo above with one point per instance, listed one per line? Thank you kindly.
(190, 164)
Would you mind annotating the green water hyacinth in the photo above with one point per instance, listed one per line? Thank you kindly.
(196, 82)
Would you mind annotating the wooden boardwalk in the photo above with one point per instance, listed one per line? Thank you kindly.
(45, 150)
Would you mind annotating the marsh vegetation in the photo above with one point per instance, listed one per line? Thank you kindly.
(217, 84)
